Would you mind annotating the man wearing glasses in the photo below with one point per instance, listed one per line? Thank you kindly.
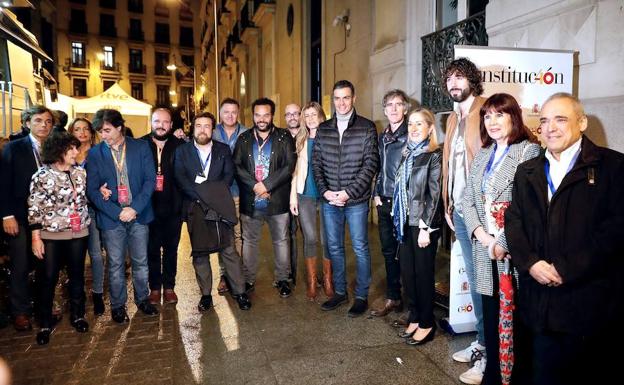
(292, 116)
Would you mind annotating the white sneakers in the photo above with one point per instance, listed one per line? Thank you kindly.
(474, 375)
(466, 355)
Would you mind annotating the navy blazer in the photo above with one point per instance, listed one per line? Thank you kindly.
(141, 175)
(188, 166)
(17, 168)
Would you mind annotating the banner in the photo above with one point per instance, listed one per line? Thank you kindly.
(461, 311)
(530, 75)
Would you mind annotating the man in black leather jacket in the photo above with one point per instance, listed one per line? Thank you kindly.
(345, 159)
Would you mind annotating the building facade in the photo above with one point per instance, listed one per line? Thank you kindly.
(130, 42)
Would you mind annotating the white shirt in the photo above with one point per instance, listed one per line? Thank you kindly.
(204, 152)
(559, 168)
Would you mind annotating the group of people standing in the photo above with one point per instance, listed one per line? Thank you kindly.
(554, 215)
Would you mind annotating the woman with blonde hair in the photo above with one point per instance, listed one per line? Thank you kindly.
(417, 211)
(305, 199)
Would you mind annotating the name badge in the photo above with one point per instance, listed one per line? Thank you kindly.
(259, 173)
(200, 179)
(74, 221)
(122, 194)
(160, 182)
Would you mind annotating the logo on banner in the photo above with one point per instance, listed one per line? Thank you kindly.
(510, 75)
(465, 286)
(467, 308)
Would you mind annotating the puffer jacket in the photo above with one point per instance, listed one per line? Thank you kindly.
(350, 165)
(390, 152)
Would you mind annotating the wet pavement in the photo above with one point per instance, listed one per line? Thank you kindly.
(279, 341)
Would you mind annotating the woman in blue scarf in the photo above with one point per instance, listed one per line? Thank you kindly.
(417, 215)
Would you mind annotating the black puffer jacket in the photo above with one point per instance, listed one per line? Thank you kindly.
(282, 164)
(350, 165)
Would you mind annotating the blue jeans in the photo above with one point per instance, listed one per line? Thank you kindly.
(130, 236)
(357, 217)
(461, 233)
(95, 253)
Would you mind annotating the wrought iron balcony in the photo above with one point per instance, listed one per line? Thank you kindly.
(114, 67)
(136, 69)
(438, 51)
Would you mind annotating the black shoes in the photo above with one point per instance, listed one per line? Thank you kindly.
(249, 287)
(205, 303)
(358, 308)
(119, 315)
(98, 303)
(284, 289)
(334, 302)
(80, 324)
(243, 301)
(427, 338)
(43, 337)
(147, 308)
(405, 334)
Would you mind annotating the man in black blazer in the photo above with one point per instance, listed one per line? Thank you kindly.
(20, 160)
(196, 162)
(164, 231)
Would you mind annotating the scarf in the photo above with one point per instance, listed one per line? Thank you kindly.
(400, 204)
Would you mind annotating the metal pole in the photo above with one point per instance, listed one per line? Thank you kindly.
(216, 40)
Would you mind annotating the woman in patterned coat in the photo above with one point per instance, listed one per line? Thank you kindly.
(507, 142)
(59, 220)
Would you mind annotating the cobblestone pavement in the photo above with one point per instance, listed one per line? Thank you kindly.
(279, 341)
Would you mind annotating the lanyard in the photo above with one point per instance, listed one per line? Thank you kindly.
(159, 157)
(260, 146)
(492, 165)
(36, 153)
(204, 164)
(551, 185)
(119, 164)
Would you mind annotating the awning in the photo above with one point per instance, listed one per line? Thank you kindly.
(11, 30)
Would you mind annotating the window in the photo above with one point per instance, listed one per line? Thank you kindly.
(136, 61)
(135, 32)
(108, 84)
(162, 60)
(109, 57)
(78, 54)
(77, 22)
(107, 25)
(135, 6)
(110, 4)
(186, 36)
(137, 91)
(162, 95)
(80, 87)
(162, 33)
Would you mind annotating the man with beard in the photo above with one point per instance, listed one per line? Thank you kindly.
(20, 160)
(195, 163)
(463, 141)
(227, 132)
(164, 231)
(265, 159)
(292, 115)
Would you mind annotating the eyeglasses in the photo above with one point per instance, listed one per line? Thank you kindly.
(292, 115)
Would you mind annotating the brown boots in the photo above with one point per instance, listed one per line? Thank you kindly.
(311, 278)
(328, 285)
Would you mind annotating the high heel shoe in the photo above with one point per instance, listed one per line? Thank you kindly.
(427, 338)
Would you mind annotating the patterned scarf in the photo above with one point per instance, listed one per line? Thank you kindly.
(400, 204)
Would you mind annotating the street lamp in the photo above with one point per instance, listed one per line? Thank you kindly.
(174, 67)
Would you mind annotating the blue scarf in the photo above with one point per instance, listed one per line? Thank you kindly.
(400, 203)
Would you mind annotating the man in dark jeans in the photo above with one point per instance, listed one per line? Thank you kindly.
(164, 231)
(391, 143)
(345, 160)
(265, 159)
(20, 160)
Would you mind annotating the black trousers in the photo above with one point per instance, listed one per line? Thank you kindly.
(418, 272)
(22, 261)
(71, 253)
(164, 234)
(521, 339)
(389, 247)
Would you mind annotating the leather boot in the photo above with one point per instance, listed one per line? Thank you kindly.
(328, 285)
(310, 264)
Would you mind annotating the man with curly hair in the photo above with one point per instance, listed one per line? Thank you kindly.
(463, 84)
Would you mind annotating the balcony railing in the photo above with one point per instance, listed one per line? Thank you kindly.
(114, 67)
(78, 26)
(136, 69)
(108, 31)
(69, 63)
(136, 35)
(438, 51)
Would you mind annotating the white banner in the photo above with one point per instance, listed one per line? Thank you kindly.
(530, 75)
(461, 310)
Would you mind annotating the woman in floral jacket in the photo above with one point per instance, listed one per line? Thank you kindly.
(59, 221)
